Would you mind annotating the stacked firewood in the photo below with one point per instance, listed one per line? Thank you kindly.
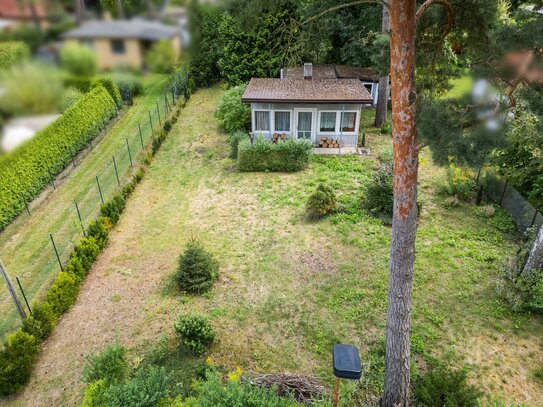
(277, 137)
(328, 142)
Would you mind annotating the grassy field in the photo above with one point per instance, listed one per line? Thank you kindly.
(25, 246)
(289, 288)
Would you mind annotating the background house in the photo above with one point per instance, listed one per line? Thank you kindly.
(123, 42)
(310, 108)
(14, 13)
(368, 77)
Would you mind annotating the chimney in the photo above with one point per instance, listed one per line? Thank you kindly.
(308, 71)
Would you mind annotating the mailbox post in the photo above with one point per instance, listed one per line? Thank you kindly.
(346, 359)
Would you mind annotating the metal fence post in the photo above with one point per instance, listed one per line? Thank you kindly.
(534, 218)
(80, 219)
(129, 153)
(12, 291)
(141, 136)
(56, 252)
(26, 204)
(158, 112)
(52, 178)
(100, 190)
(24, 295)
(503, 193)
(73, 156)
(151, 123)
(116, 172)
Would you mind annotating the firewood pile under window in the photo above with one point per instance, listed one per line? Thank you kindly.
(328, 142)
(278, 137)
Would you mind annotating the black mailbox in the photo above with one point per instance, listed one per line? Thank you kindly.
(347, 362)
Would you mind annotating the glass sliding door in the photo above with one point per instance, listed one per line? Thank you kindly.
(304, 124)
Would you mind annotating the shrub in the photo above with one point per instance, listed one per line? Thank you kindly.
(386, 156)
(197, 268)
(99, 230)
(232, 113)
(95, 394)
(32, 36)
(13, 53)
(111, 88)
(128, 84)
(157, 141)
(379, 193)
(16, 360)
(70, 97)
(23, 173)
(531, 290)
(109, 365)
(195, 332)
(78, 60)
(145, 389)
(63, 293)
(234, 141)
(20, 96)
(113, 208)
(289, 155)
(42, 321)
(86, 251)
(460, 182)
(444, 387)
(161, 57)
(322, 202)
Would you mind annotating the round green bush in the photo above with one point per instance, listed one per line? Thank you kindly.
(322, 202)
(195, 332)
(197, 268)
(232, 113)
(16, 359)
(109, 364)
(42, 321)
(379, 193)
(12, 53)
(78, 60)
(63, 293)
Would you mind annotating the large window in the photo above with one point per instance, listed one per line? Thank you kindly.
(348, 121)
(327, 122)
(262, 120)
(282, 121)
(117, 46)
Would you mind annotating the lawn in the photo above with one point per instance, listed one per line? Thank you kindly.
(289, 288)
(25, 246)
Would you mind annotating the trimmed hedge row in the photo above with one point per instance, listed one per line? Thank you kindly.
(12, 52)
(86, 84)
(21, 348)
(289, 155)
(26, 171)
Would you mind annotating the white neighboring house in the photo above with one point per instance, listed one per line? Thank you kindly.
(307, 107)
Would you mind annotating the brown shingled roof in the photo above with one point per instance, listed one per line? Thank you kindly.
(333, 72)
(308, 91)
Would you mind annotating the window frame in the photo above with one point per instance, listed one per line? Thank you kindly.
(114, 50)
(289, 121)
(329, 133)
(255, 130)
(356, 122)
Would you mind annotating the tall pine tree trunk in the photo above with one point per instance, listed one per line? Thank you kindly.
(535, 260)
(382, 96)
(404, 222)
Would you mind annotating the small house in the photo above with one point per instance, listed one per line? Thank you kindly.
(123, 42)
(313, 106)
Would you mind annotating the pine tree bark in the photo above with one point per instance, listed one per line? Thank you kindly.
(535, 259)
(404, 223)
(382, 96)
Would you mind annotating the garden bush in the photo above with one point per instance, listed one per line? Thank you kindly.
(23, 173)
(289, 155)
(16, 360)
(20, 84)
(111, 88)
(322, 202)
(460, 182)
(234, 141)
(161, 57)
(195, 332)
(42, 321)
(197, 268)
(78, 60)
(232, 113)
(145, 389)
(13, 53)
(86, 251)
(99, 230)
(379, 192)
(70, 98)
(443, 387)
(109, 365)
(113, 208)
(32, 36)
(128, 84)
(63, 293)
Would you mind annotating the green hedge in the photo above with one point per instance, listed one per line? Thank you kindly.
(20, 349)
(289, 155)
(12, 52)
(86, 84)
(26, 171)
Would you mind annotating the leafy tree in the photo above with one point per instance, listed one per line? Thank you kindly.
(232, 113)
(78, 60)
(161, 58)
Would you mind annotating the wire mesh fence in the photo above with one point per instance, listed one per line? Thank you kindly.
(101, 181)
(501, 191)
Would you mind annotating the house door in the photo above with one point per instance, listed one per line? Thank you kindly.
(305, 123)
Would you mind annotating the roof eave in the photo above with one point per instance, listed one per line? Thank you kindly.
(350, 101)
